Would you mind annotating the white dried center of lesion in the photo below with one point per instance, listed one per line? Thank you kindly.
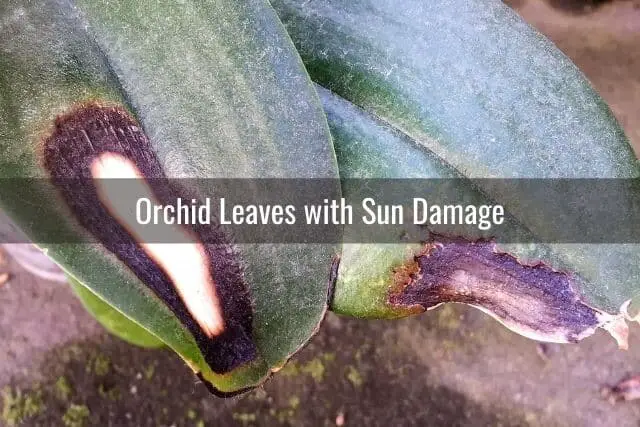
(184, 263)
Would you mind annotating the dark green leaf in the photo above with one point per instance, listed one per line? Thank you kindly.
(219, 91)
(456, 88)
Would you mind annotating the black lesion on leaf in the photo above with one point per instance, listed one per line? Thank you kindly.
(533, 300)
(333, 278)
(78, 139)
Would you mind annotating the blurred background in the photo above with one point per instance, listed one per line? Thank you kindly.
(453, 366)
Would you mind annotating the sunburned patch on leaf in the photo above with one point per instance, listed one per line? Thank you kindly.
(532, 300)
(202, 283)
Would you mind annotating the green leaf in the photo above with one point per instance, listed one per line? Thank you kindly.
(456, 88)
(220, 92)
(112, 320)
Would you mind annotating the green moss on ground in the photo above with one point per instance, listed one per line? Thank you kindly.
(245, 417)
(150, 370)
(76, 416)
(18, 407)
(99, 365)
(111, 393)
(63, 389)
(191, 414)
(354, 376)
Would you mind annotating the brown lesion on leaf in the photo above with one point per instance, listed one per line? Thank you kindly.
(403, 275)
(532, 300)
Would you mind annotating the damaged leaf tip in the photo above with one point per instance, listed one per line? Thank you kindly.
(532, 300)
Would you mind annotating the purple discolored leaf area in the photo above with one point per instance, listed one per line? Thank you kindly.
(532, 300)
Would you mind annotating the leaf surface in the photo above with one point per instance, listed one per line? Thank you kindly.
(218, 91)
(453, 88)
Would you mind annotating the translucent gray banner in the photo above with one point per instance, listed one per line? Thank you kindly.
(121, 211)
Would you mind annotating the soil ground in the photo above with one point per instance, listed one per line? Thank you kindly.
(453, 366)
